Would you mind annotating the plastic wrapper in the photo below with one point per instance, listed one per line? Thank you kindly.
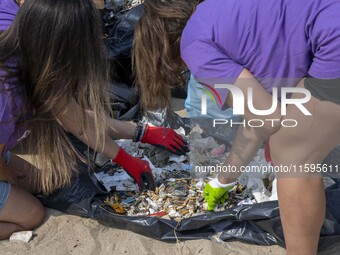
(167, 118)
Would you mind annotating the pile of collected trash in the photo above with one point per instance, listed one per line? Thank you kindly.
(179, 192)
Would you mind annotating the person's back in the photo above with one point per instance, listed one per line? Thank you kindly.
(271, 38)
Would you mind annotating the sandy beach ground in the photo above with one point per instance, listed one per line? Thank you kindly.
(68, 234)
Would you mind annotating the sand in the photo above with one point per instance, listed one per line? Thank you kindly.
(67, 234)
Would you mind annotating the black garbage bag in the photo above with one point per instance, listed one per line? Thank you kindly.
(78, 196)
(119, 22)
(257, 224)
(124, 102)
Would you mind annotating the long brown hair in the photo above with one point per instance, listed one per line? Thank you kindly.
(157, 62)
(60, 56)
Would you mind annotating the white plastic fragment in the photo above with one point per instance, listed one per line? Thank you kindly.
(120, 180)
(180, 131)
(174, 214)
(178, 159)
(192, 193)
(200, 184)
(274, 197)
(260, 196)
(247, 201)
(23, 236)
(151, 203)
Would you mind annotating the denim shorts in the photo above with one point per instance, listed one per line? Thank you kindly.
(5, 190)
(324, 90)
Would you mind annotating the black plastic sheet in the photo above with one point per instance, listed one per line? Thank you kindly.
(119, 23)
(124, 102)
(257, 224)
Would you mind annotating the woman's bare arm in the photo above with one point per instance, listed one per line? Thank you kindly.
(71, 121)
(249, 139)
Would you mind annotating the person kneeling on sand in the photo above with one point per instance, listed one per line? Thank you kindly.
(53, 80)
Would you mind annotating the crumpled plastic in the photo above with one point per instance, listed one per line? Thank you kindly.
(120, 23)
(167, 118)
(124, 102)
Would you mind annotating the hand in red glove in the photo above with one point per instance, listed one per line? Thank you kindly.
(165, 138)
(138, 169)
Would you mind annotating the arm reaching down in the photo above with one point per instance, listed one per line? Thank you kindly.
(70, 120)
(248, 139)
(138, 169)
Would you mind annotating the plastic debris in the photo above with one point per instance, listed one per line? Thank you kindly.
(247, 201)
(175, 184)
(22, 236)
(115, 205)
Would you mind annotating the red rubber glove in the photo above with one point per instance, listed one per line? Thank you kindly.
(165, 138)
(138, 169)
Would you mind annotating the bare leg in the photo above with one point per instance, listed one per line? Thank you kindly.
(302, 200)
(21, 212)
(23, 174)
(302, 209)
(8, 228)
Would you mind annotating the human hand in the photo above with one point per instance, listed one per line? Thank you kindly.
(138, 169)
(165, 138)
(216, 193)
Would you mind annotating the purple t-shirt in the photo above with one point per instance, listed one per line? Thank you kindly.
(8, 11)
(273, 39)
(13, 112)
(12, 101)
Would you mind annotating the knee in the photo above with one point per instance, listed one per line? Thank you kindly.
(39, 215)
(35, 218)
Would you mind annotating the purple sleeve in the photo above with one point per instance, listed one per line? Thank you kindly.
(325, 40)
(210, 65)
(7, 120)
(8, 11)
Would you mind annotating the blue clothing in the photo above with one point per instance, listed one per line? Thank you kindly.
(5, 190)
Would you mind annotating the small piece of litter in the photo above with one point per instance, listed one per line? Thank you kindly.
(23, 236)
